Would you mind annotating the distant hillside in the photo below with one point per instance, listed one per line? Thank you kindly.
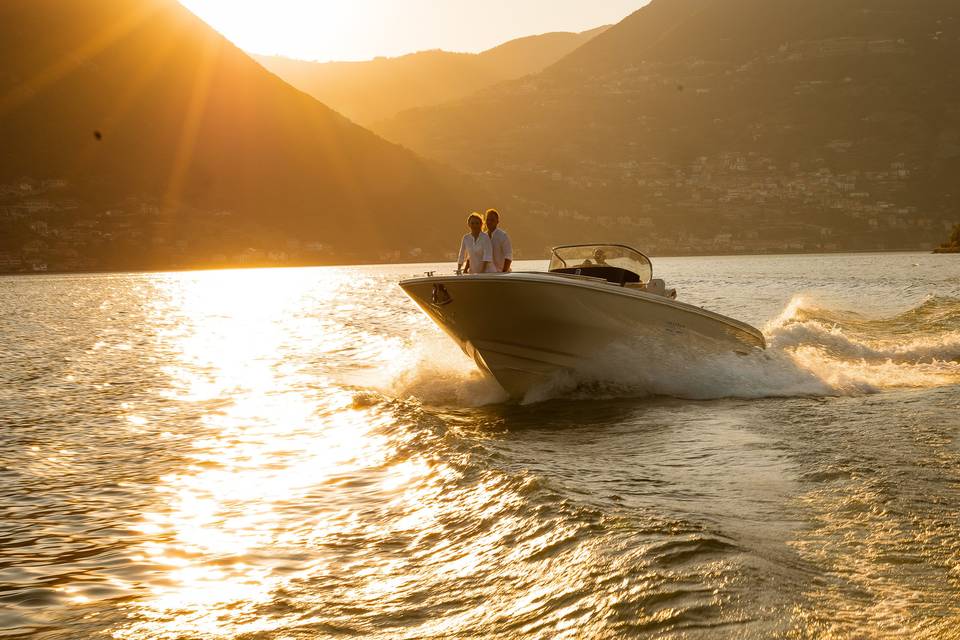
(369, 92)
(137, 137)
(728, 125)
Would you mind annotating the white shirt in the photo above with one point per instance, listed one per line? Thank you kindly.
(502, 249)
(478, 251)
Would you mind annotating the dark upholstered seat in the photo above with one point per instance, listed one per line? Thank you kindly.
(615, 275)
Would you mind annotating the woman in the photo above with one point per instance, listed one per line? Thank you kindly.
(476, 252)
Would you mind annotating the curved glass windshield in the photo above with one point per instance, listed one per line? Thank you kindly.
(601, 255)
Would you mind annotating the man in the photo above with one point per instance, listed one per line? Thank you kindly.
(502, 249)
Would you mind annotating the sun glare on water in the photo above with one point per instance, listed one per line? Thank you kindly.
(276, 440)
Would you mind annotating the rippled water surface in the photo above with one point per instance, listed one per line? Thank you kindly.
(302, 454)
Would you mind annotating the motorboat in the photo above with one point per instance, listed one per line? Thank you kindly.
(524, 328)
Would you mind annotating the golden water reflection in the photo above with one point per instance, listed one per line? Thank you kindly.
(273, 438)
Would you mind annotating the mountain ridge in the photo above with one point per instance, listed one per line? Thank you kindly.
(371, 91)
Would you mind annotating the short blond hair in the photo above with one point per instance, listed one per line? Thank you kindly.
(477, 216)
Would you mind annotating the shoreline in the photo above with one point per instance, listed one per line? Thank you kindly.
(335, 265)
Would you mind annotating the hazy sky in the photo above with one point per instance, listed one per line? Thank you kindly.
(362, 29)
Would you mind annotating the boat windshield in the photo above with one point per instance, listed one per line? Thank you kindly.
(586, 256)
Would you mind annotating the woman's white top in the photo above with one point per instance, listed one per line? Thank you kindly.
(478, 250)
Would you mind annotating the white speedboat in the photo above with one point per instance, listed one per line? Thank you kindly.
(525, 327)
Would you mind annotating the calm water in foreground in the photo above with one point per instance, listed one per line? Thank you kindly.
(302, 454)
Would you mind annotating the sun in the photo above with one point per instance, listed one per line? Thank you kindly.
(322, 30)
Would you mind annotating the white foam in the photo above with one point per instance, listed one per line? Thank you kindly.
(434, 370)
(833, 340)
(638, 370)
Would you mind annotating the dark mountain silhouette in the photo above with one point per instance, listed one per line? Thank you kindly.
(136, 136)
(728, 125)
(371, 91)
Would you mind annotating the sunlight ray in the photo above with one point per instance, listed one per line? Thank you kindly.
(67, 63)
(192, 120)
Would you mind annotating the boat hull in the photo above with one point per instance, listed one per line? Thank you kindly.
(523, 328)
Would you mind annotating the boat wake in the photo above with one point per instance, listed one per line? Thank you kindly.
(813, 351)
(436, 372)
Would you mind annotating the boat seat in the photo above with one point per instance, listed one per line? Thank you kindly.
(656, 287)
(613, 275)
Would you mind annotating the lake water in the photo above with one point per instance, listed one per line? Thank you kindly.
(302, 454)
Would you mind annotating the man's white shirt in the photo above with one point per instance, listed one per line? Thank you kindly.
(478, 250)
(502, 249)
